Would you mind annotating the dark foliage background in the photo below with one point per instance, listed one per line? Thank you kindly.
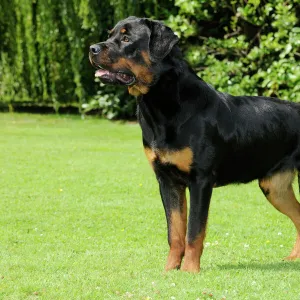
(241, 47)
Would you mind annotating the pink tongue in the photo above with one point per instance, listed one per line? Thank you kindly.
(100, 73)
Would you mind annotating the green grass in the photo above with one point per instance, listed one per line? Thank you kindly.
(81, 218)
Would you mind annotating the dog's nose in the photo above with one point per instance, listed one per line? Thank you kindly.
(95, 49)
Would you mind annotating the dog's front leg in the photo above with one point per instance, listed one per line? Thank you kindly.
(174, 201)
(200, 194)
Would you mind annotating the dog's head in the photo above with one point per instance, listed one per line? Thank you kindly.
(132, 52)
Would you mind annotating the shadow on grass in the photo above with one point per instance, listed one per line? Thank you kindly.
(276, 266)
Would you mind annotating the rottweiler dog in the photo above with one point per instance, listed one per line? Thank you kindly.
(196, 137)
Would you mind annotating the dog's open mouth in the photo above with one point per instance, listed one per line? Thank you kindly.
(114, 77)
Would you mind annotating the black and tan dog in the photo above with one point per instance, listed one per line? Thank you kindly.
(198, 138)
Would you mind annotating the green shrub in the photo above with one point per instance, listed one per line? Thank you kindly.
(112, 102)
(241, 47)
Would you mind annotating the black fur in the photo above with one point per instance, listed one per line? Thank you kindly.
(234, 139)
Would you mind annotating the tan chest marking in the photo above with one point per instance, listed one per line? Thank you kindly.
(182, 159)
(138, 90)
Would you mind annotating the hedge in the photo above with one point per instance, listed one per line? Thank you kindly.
(241, 47)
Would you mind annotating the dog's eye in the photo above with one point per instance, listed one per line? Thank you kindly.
(125, 39)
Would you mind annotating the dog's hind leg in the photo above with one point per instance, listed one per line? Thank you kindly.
(279, 191)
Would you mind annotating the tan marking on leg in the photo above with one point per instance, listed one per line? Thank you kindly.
(151, 156)
(296, 250)
(279, 182)
(192, 254)
(182, 159)
(281, 195)
(177, 236)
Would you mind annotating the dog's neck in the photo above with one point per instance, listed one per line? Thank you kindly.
(164, 108)
(167, 96)
(163, 97)
(177, 97)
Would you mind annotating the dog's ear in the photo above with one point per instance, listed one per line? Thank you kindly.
(162, 39)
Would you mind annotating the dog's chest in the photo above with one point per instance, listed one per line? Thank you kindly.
(164, 143)
(181, 158)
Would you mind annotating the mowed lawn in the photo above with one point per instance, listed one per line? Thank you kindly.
(81, 218)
